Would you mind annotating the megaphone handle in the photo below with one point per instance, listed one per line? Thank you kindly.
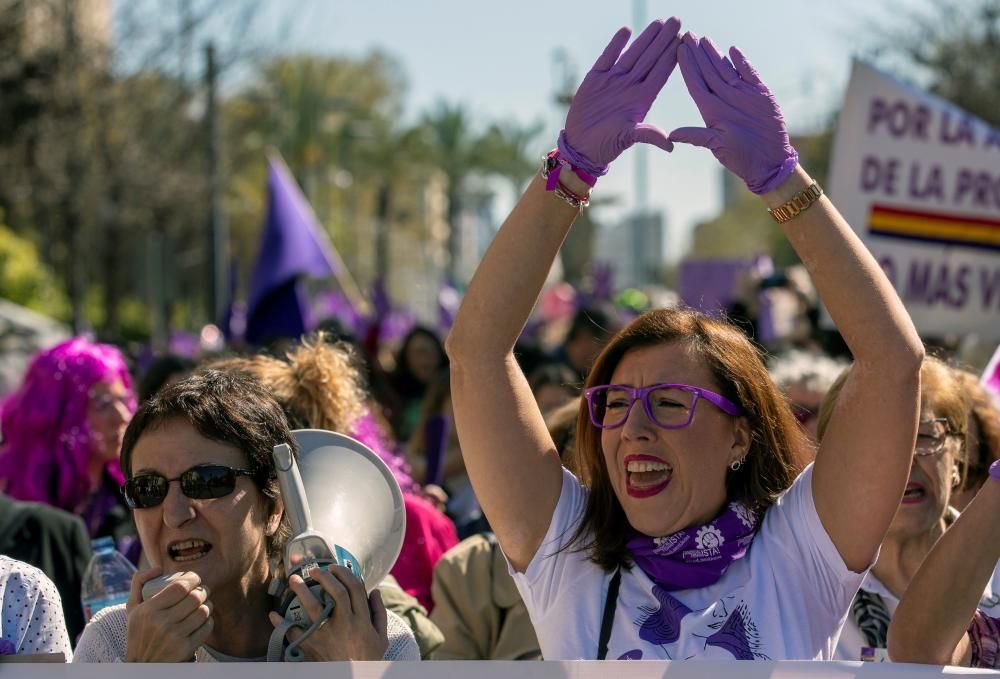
(293, 491)
(292, 653)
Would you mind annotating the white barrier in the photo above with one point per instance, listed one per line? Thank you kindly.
(708, 669)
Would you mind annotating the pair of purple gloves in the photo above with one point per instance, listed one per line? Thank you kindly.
(744, 128)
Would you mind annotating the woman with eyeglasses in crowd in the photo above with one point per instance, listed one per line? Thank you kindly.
(204, 492)
(945, 617)
(62, 429)
(982, 438)
(686, 533)
(950, 611)
(923, 513)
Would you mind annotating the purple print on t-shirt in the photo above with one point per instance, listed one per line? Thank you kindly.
(738, 635)
(661, 625)
(634, 654)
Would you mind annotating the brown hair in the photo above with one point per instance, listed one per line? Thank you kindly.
(231, 408)
(939, 388)
(319, 385)
(987, 417)
(776, 441)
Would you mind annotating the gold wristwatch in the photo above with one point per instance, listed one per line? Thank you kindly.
(799, 202)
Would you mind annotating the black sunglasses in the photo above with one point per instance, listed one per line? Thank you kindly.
(203, 482)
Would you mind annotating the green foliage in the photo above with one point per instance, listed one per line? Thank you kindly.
(336, 121)
(742, 230)
(25, 280)
(955, 49)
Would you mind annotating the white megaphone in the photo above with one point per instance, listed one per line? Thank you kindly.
(344, 507)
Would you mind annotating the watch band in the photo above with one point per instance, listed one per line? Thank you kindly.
(556, 163)
(550, 173)
(800, 202)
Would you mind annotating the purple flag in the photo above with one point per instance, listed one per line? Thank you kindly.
(293, 245)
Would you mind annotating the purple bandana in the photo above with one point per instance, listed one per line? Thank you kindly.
(698, 556)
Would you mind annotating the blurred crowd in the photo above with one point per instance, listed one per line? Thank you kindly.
(63, 428)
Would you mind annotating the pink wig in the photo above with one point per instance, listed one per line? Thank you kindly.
(47, 440)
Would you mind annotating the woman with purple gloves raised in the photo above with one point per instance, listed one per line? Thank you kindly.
(686, 534)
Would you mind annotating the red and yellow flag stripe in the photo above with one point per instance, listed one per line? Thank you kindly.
(934, 227)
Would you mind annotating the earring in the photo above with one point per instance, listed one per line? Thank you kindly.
(736, 464)
(956, 478)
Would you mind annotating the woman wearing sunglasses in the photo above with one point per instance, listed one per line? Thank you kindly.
(686, 534)
(204, 493)
(923, 514)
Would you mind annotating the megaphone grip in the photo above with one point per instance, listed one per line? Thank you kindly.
(293, 491)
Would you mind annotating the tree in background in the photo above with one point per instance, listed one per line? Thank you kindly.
(99, 149)
(952, 49)
(334, 120)
(25, 280)
(459, 150)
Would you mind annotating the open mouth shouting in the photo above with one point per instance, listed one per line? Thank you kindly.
(646, 475)
(915, 493)
(182, 551)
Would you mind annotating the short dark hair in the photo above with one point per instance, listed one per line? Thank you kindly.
(597, 321)
(161, 370)
(231, 408)
(553, 374)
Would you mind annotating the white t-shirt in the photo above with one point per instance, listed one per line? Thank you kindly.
(786, 599)
(105, 639)
(852, 640)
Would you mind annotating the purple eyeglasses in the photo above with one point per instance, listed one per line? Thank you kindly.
(670, 406)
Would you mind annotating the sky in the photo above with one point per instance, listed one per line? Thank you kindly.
(498, 59)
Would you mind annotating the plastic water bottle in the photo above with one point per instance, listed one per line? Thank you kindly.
(108, 578)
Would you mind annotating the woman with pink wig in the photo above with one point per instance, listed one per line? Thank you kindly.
(62, 432)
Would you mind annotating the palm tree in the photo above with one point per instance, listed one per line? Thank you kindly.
(459, 152)
(510, 150)
(453, 150)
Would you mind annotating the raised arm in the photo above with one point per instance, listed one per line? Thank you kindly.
(932, 621)
(510, 458)
(864, 460)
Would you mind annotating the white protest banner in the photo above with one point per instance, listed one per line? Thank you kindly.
(919, 180)
(447, 669)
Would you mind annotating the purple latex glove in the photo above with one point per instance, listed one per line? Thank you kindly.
(607, 113)
(745, 129)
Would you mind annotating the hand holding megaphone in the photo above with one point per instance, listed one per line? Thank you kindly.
(169, 616)
(356, 629)
(323, 609)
